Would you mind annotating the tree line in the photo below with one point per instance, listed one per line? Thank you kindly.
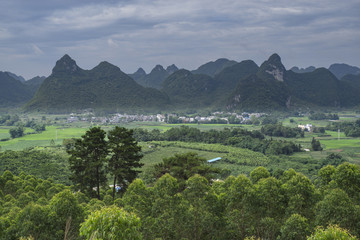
(351, 129)
(238, 137)
(288, 206)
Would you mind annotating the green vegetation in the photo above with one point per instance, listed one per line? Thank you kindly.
(278, 130)
(111, 223)
(179, 195)
(70, 88)
(220, 85)
(286, 206)
(40, 162)
(92, 158)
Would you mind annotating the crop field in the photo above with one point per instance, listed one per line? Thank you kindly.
(42, 139)
(4, 133)
(235, 161)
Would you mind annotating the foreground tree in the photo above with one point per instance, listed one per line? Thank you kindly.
(332, 232)
(111, 223)
(125, 157)
(87, 161)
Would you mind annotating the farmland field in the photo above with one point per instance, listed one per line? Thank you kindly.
(234, 160)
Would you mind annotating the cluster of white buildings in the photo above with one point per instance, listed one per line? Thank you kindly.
(308, 127)
(119, 117)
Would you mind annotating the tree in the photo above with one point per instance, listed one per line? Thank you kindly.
(259, 173)
(66, 214)
(111, 223)
(17, 132)
(125, 157)
(347, 177)
(337, 208)
(332, 232)
(296, 227)
(183, 166)
(87, 159)
(315, 145)
(334, 159)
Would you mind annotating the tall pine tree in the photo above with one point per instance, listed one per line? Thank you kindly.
(87, 161)
(125, 157)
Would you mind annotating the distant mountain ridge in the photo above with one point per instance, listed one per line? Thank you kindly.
(105, 87)
(342, 69)
(12, 91)
(213, 68)
(155, 78)
(223, 85)
(303, 70)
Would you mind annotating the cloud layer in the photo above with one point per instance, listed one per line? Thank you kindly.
(130, 34)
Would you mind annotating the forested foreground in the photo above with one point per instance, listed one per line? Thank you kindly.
(289, 206)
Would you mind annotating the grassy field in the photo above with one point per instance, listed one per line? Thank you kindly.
(55, 134)
(4, 132)
(43, 138)
(75, 130)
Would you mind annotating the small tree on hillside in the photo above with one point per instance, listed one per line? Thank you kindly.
(316, 145)
(17, 132)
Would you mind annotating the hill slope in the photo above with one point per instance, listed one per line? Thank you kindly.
(155, 78)
(342, 69)
(186, 89)
(104, 87)
(12, 91)
(213, 68)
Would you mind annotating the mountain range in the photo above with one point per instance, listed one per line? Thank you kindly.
(220, 85)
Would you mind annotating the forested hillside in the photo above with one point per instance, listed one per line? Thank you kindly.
(105, 87)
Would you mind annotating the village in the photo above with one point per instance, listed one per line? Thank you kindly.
(215, 117)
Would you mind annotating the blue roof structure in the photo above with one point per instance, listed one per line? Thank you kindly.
(214, 160)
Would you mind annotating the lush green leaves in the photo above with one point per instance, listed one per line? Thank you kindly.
(111, 223)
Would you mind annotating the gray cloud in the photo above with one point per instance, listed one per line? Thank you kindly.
(130, 34)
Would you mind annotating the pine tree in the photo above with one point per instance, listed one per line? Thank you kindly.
(125, 157)
(87, 161)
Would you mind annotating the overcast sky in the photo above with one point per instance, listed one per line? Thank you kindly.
(34, 34)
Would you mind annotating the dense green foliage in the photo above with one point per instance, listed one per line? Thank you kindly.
(9, 120)
(111, 223)
(30, 206)
(125, 157)
(351, 129)
(87, 161)
(92, 158)
(332, 232)
(323, 116)
(288, 206)
(278, 130)
(16, 132)
(183, 166)
(42, 163)
(316, 145)
(238, 137)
